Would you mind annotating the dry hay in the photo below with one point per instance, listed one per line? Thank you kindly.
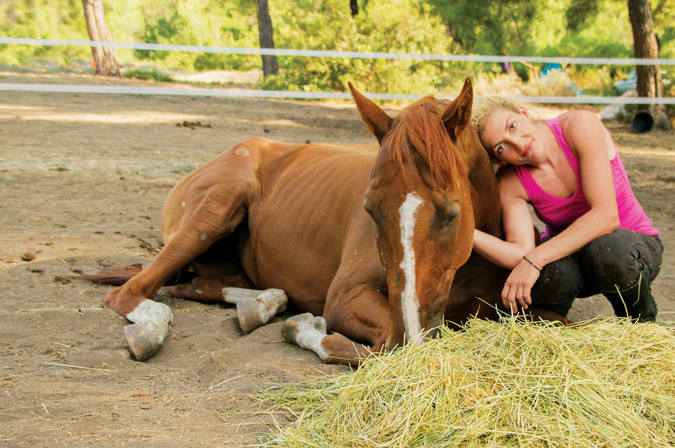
(607, 383)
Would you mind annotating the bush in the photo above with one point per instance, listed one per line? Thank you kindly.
(398, 26)
(148, 75)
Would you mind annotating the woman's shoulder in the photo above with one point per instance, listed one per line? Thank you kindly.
(585, 132)
(576, 122)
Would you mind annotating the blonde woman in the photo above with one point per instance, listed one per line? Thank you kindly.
(597, 239)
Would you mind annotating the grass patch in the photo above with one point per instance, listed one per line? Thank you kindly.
(145, 75)
(606, 383)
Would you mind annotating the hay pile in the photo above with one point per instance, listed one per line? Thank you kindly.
(608, 383)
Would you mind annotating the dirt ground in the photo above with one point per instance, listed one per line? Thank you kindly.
(82, 183)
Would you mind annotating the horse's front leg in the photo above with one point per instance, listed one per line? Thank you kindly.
(205, 225)
(358, 320)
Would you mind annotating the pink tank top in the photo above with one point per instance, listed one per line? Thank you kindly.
(558, 213)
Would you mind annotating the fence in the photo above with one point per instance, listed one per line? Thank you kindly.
(226, 92)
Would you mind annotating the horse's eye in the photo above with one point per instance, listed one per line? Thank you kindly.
(447, 213)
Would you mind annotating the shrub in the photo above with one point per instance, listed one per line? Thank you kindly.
(398, 26)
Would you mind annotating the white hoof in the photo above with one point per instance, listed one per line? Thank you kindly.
(144, 341)
(236, 295)
(257, 311)
(152, 313)
(307, 331)
(149, 329)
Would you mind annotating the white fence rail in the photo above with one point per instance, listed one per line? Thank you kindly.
(224, 92)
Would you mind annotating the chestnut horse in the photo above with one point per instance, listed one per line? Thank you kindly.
(366, 240)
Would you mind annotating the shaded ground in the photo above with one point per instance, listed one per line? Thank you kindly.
(82, 183)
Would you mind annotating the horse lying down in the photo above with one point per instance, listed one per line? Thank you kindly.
(372, 242)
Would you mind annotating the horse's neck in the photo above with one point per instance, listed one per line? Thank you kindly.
(486, 205)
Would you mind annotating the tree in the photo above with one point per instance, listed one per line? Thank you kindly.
(270, 65)
(645, 44)
(104, 57)
(488, 27)
(354, 7)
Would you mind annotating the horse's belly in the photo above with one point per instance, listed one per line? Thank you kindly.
(298, 229)
(301, 260)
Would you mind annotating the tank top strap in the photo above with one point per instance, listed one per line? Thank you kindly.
(556, 128)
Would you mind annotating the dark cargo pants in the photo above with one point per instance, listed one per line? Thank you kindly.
(620, 265)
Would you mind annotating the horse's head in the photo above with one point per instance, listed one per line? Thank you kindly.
(419, 196)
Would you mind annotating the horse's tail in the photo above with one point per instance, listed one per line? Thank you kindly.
(113, 276)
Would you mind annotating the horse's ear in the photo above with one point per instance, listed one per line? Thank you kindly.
(458, 114)
(377, 120)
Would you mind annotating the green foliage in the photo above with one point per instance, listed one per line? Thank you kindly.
(209, 23)
(159, 32)
(398, 26)
(515, 27)
(41, 19)
(579, 13)
(488, 27)
(153, 75)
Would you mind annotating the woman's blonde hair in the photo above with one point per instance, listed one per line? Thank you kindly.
(483, 106)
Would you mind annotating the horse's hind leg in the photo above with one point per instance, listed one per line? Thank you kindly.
(254, 307)
(209, 289)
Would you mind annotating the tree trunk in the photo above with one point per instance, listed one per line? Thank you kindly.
(354, 7)
(649, 82)
(104, 57)
(270, 66)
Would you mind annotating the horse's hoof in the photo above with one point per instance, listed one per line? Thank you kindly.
(235, 295)
(143, 341)
(253, 313)
(302, 323)
(307, 331)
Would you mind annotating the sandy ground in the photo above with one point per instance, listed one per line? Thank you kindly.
(82, 183)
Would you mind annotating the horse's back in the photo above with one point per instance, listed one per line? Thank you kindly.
(300, 201)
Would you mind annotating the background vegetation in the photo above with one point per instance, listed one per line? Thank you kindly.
(574, 28)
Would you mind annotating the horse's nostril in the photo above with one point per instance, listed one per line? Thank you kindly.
(433, 333)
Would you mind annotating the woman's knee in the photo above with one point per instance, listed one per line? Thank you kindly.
(558, 285)
(620, 259)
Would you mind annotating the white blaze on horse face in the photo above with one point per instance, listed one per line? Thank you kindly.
(409, 303)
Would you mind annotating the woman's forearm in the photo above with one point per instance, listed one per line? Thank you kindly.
(498, 251)
(593, 224)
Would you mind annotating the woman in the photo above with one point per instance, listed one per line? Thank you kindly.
(598, 238)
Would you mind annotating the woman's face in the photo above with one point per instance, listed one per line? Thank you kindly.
(511, 137)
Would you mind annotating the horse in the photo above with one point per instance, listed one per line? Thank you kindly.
(372, 242)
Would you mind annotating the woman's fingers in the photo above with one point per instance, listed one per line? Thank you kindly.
(518, 295)
(509, 302)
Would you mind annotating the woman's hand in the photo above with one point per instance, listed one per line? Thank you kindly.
(519, 285)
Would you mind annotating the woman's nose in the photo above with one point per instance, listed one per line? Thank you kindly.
(515, 142)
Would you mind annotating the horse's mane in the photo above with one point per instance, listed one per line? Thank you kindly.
(420, 128)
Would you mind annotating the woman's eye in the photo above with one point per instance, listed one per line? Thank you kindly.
(513, 125)
(500, 149)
